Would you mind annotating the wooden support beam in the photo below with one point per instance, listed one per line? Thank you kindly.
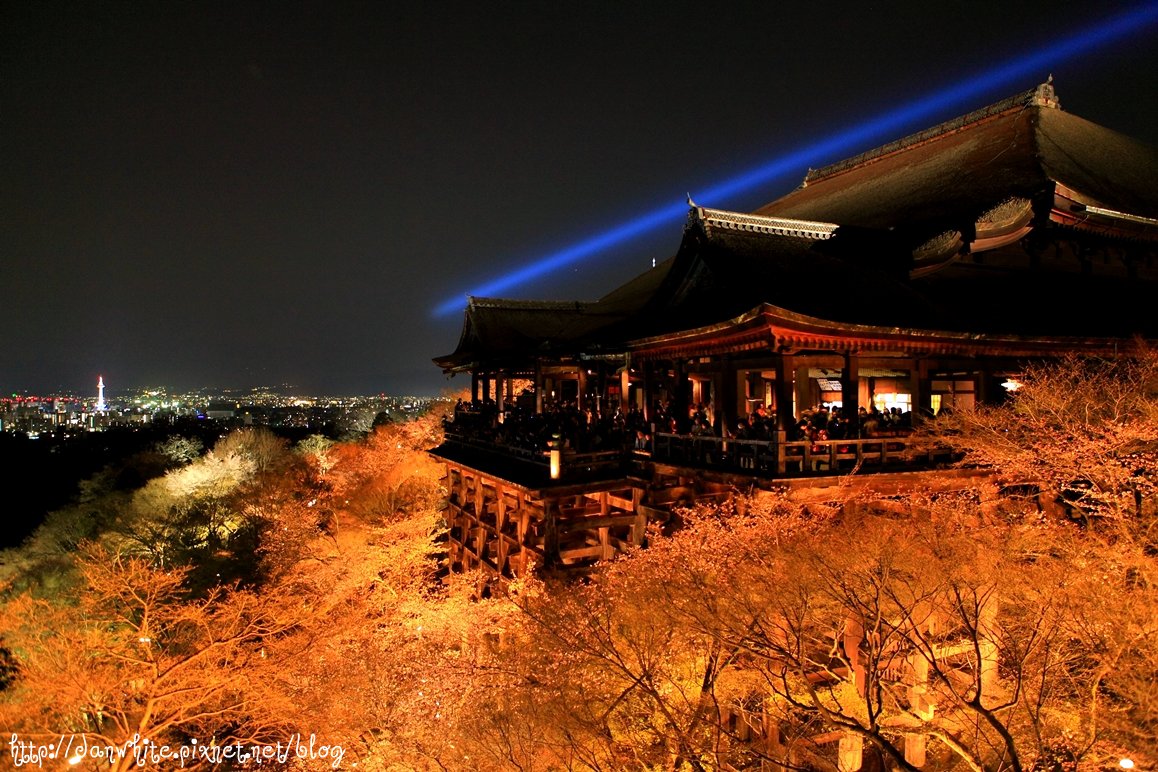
(785, 417)
(524, 516)
(639, 529)
(605, 544)
(850, 388)
(726, 398)
(986, 624)
(680, 397)
(922, 387)
(802, 388)
(850, 752)
(550, 532)
(625, 388)
(500, 525)
(915, 749)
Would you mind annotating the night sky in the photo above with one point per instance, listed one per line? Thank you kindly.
(243, 194)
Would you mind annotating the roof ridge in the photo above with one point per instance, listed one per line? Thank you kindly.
(485, 302)
(758, 223)
(1041, 96)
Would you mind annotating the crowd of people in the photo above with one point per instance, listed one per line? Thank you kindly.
(582, 431)
(589, 431)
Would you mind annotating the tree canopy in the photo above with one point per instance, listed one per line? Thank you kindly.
(256, 591)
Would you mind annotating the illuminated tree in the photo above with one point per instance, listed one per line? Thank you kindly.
(397, 656)
(320, 450)
(257, 445)
(135, 656)
(181, 450)
(191, 517)
(1083, 430)
(389, 473)
(921, 631)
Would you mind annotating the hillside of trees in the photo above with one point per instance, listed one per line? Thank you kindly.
(258, 591)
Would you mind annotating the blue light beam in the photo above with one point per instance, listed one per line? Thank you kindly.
(840, 143)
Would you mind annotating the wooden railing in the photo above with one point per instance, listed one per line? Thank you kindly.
(573, 463)
(763, 458)
(778, 458)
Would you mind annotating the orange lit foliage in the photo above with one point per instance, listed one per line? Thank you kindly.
(395, 653)
(655, 660)
(243, 512)
(663, 656)
(389, 473)
(134, 655)
(350, 635)
(1086, 429)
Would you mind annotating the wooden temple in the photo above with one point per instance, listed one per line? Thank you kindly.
(917, 277)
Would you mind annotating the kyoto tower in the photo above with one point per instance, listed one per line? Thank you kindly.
(100, 403)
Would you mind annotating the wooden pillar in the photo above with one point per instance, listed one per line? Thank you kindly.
(921, 706)
(774, 745)
(500, 391)
(680, 397)
(987, 647)
(550, 532)
(474, 384)
(802, 389)
(602, 399)
(606, 550)
(500, 524)
(624, 389)
(523, 526)
(726, 400)
(915, 749)
(850, 752)
(850, 389)
(647, 384)
(983, 384)
(785, 417)
(462, 490)
(639, 526)
(582, 387)
(922, 392)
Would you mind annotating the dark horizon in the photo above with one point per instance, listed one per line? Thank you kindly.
(246, 195)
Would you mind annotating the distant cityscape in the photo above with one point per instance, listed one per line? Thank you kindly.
(61, 415)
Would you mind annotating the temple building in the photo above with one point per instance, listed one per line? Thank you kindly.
(917, 277)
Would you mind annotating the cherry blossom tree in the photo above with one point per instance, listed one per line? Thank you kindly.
(135, 657)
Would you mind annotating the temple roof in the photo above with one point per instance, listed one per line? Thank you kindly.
(934, 232)
(516, 331)
(722, 271)
(949, 175)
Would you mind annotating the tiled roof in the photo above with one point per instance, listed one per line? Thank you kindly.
(841, 248)
(948, 176)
